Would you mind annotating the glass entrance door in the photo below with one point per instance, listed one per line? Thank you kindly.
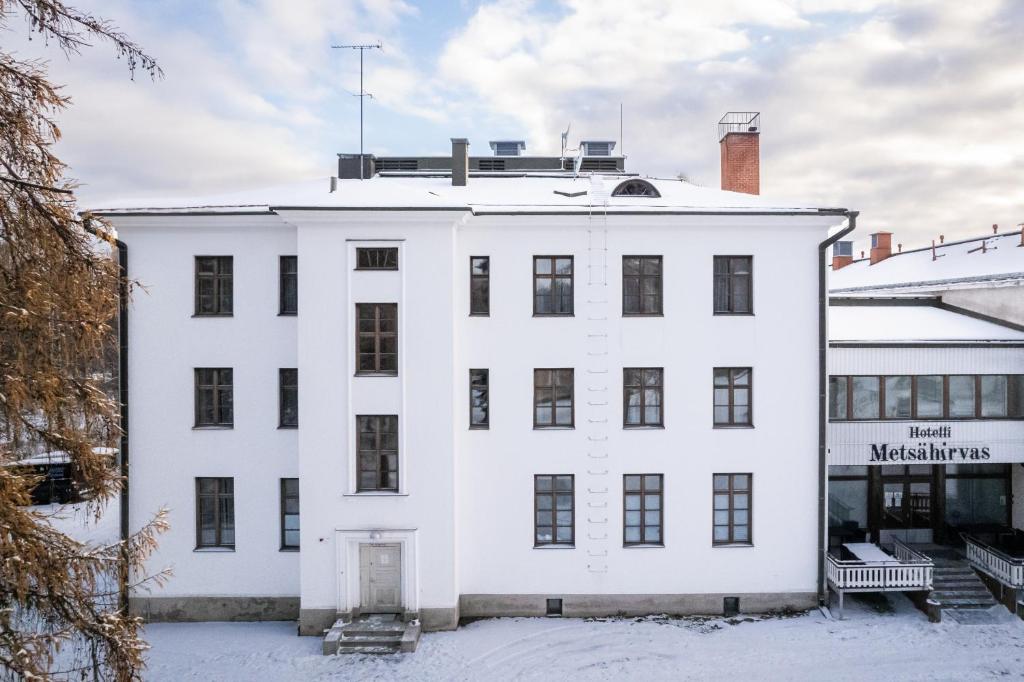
(907, 503)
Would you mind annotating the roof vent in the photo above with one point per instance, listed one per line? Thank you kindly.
(598, 147)
(508, 147)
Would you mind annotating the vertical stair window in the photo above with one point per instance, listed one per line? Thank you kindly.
(377, 342)
(377, 452)
(377, 258)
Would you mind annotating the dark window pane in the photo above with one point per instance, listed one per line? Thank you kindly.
(897, 397)
(865, 397)
(837, 398)
(377, 452)
(553, 509)
(213, 286)
(961, 396)
(642, 509)
(994, 396)
(289, 285)
(732, 288)
(377, 258)
(929, 396)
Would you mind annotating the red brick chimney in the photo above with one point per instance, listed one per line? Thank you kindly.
(739, 136)
(842, 254)
(881, 246)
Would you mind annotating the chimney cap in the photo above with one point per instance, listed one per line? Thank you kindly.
(460, 140)
(745, 122)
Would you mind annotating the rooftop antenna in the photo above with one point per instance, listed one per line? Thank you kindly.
(362, 93)
(622, 152)
(565, 140)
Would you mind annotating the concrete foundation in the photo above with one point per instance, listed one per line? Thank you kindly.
(592, 605)
(193, 609)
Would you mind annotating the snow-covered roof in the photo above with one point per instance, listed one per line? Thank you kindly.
(957, 264)
(517, 194)
(911, 324)
(57, 457)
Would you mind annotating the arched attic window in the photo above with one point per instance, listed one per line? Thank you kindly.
(635, 188)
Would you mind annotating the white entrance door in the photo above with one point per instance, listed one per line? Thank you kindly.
(380, 578)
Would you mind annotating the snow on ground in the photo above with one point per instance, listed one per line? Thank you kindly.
(77, 521)
(878, 640)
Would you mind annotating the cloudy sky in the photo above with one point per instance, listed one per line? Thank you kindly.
(910, 111)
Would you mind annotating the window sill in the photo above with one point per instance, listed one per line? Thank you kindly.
(727, 427)
(374, 269)
(644, 545)
(482, 427)
(554, 428)
(213, 427)
(213, 315)
(643, 314)
(554, 315)
(287, 314)
(375, 493)
(554, 546)
(718, 314)
(732, 545)
(288, 549)
(643, 427)
(214, 550)
(376, 374)
(479, 314)
(282, 427)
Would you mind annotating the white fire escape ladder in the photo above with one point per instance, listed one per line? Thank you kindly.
(597, 382)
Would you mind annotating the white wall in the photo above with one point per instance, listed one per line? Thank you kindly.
(167, 453)
(421, 395)
(466, 498)
(496, 466)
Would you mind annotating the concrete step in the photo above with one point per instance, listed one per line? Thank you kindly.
(953, 584)
(967, 603)
(377, 650)
(358, 642)
(354, 630)
(980, 595)
(371, 636)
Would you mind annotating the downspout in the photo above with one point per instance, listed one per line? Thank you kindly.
(122, 391)
(851, 217)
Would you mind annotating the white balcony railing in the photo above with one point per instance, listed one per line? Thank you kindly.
(908, 571)
(1006, 569)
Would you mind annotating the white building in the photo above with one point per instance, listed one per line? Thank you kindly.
(517, 394)
(926, 412)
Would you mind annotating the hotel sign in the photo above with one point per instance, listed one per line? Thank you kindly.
(893, 442)
(934, 444)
